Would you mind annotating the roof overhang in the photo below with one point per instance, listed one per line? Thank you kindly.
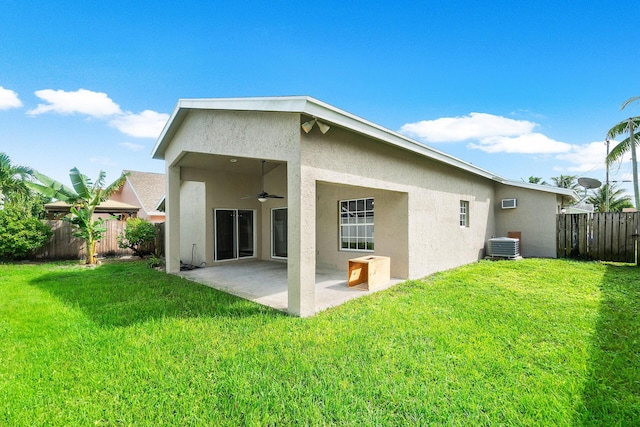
(567, 192)
(108, 206)
(333, 116)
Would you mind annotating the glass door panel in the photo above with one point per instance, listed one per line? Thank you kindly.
(225, 234)
(234, 236)
(279, 233)
(245, 234)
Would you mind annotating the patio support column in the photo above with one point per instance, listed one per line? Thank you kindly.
(301, 244)
(172, 220)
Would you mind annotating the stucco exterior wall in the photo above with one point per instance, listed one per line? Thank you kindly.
(259, 135)
(192, 222)
(534, 217)
(434, 239)
(417, 199)
(227, 191)
(390, 227)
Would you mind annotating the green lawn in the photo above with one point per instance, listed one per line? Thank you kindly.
(533, 342)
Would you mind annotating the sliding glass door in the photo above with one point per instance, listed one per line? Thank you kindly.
(234, 234)
(279, 233)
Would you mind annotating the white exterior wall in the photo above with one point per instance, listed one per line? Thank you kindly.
(258, 135)
(192, 221)
(434, 239)
(390, 227)
(417, 199)
(534, 217)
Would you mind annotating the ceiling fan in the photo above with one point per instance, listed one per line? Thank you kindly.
(263, 195)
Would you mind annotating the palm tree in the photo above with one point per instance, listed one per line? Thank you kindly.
(627, 145)
(12, 179)
(565, 181)
(83, 200)
(617, 198)
(537, 180)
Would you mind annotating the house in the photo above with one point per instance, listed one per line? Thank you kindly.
(144, 189)
(350, 188)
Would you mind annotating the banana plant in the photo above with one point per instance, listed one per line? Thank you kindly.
(83, 199)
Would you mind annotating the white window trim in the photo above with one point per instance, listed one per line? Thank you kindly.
(340, 248)
(464, 204)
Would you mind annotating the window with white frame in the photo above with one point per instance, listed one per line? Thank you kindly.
(356, 225)
(464, 213)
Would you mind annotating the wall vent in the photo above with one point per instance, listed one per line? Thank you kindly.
(509, 203)
(503, 247)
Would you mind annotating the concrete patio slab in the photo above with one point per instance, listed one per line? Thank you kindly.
(265, 282)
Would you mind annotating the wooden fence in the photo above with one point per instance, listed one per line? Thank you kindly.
(607, 236)
(64, 245)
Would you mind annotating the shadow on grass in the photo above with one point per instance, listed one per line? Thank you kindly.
(124, 293)
(612, 391)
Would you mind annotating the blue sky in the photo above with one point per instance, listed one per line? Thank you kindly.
(518, 88)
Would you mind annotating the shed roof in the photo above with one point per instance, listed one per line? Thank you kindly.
(334, 116)
(108, 206)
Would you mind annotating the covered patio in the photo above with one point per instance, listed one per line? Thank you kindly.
(265, 282)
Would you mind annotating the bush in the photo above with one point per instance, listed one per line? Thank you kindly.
(138, 235)
(21, 233)
(155, 262)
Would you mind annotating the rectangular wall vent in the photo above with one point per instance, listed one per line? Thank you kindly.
(509, 203)
(503, 247)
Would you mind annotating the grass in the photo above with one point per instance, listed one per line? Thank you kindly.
(534, 342)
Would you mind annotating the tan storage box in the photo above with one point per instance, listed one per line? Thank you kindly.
(372, 270)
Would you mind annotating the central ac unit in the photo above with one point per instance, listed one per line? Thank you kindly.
(503, 247)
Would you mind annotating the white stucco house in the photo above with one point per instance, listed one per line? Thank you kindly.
(349, 187)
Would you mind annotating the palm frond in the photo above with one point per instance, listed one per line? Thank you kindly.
(81, 183)
(100, 181)
(49, 187)
(619, 151)
(629, 101)
(623, 147)
(114, 186)
(622, 127)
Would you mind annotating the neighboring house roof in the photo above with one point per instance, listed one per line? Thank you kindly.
(149, 189)
(334, 116)
(108, 206)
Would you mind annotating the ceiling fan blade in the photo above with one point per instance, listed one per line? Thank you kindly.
(273, 196)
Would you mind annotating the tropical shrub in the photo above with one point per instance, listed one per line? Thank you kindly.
(83, 199)
(137, 236)
(21, 233)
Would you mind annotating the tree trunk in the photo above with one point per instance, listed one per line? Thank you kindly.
(634, 162)
(92, 257)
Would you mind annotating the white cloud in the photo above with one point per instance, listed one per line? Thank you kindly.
(131, 146)
(147, 124)
(584, 158)
(528, 143)
(473, 126)
(488, 132)
(95, 104)
(106, 161)
(9, 99)
(589, 157)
